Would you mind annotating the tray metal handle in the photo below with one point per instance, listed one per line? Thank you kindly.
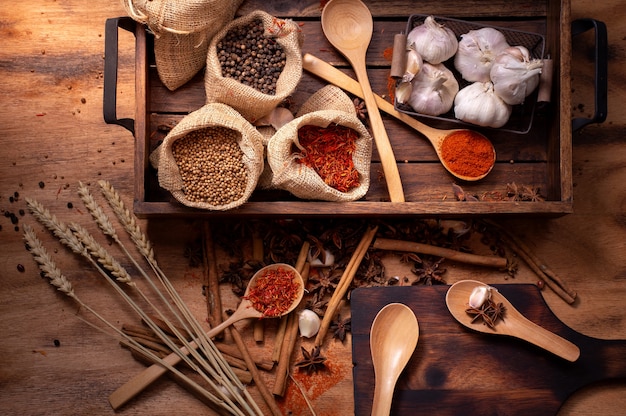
(601, 65)
(110, 71)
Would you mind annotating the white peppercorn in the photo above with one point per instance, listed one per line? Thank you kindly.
(211, 165)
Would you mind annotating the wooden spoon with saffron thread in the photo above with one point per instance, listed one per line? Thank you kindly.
(436, 137)
(348, 26)
(393, 339)
(245, 310)
(512, 324)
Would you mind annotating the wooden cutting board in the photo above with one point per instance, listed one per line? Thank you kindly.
(456, 371)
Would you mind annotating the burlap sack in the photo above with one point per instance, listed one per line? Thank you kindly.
(251, 103)
(183, 30)
(211, 115)
(327, 106)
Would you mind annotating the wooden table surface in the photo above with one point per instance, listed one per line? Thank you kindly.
(54, 136)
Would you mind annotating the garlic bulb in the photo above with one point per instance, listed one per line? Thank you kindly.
(433, 41)
(309, 323)
(434, 89)
(478, 104)
(515, 75)
(477, 51)
(414, 64)
(479, 296)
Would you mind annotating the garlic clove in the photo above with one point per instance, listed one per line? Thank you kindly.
(308, 323)
(325, 259)
(479, 296)
(414, 63)
(433, 41)
(403, 92)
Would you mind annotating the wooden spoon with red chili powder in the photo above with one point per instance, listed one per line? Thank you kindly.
(466, 154)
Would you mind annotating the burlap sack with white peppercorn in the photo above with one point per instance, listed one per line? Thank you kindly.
(250, 102)
(183, 30)
(211, 115)
(328, 106)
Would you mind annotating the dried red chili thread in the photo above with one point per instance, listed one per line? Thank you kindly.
(328, 151)
(467, 153)
(274, 292)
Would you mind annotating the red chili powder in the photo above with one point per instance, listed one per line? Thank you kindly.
(467, 153)
(274, 292)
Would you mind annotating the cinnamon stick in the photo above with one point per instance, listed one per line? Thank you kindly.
(280, 334)
(289, 342)
(256, 376)
(257, 254)
(212, 293)
(344, 283)
(454, 255)
(550, 278)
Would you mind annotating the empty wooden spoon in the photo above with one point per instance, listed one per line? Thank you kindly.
(245, 310)
(436, 137)
(348, 26)
(513, 323)
(393, 339)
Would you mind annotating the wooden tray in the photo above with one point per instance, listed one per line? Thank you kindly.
(542, 158)
(456, 371)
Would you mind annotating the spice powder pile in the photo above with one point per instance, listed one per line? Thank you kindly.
(328, 151)
(211, 166)
(274, 292)
(250, 58)
(467, 153)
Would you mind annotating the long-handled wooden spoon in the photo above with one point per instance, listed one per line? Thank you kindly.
(513, 324)
(348, 26)
(245, 310)
(393, 339)
(436, 137)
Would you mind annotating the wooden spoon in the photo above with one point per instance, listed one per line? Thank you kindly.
(245, 310)
(393, 339)
(348, 26)
(436, 137)
(513, 323)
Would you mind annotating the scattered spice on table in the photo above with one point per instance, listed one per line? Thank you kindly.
(467, 153)
(328, 150)
(274, 292)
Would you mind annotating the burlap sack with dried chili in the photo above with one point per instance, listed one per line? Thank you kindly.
(183, 30)
(215, 118)
(328, 107)
(251, 102)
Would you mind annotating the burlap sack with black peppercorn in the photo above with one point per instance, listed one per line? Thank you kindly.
(183, 30)
(250, 102)
(249, 140)
(327, 106)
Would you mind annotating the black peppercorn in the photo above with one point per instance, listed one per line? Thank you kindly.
(21, 268)
(42, 184)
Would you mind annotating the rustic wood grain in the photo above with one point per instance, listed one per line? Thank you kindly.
(52, 58)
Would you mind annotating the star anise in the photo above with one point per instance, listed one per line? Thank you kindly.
(324, 282)
(341, 327)
(312, 361)
(429, 273)
(194, 253)
(489, 312)
(359, 107)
